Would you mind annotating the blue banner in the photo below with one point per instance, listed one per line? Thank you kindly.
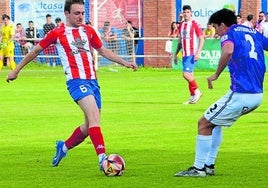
(202, 11)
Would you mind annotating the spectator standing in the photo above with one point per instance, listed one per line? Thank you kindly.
(109, 36)
(243, 53)
(49, 25)
(192, 39)
(58, 21)
(264, 28)
(173, 33)
(31, 34)
(74, 41)
(175, 58)
(239, 19)
(20, 38)
(50, 52)
(249, 21)
(130, 33)
(7, 34)
(266, 17)
(260, 21)
(180, 19)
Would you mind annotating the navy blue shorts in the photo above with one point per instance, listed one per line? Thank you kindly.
(80, 88)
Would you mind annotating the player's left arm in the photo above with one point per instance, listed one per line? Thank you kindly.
(107, 53)
(12, 35)
(12, 38)
(96, 43)
(201, 37)
(200, 46)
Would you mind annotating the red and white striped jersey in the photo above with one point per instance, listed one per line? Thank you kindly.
(189, 33)
(74, 47)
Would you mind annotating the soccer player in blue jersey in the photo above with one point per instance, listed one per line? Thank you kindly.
(242, 51)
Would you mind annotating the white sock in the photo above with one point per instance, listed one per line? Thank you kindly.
(100, 156)
(215, 145)
(64, 148)
(197, 91)
(203, 144)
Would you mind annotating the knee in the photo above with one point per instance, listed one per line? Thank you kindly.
(185, 75)
(204, 127)
(188, 76)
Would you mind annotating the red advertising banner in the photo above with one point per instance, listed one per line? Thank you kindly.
(117, 12)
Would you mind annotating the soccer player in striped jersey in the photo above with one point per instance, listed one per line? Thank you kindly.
(75, 42)
(192, 39)
(243, 53)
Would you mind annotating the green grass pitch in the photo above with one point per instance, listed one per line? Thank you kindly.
(143, 119)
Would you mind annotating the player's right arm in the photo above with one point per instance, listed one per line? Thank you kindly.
(28, 58)
(227, 51)
(50, 38)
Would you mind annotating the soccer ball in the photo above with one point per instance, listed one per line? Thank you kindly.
(113, 165)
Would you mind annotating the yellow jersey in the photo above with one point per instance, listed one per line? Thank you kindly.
(209, 32)
(7, 45)
(7, 31)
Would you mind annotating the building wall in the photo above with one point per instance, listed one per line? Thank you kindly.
(162, 13)
(250, 7)
(4, 4)
(158, 14)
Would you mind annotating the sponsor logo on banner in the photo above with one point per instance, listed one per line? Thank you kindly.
(202, 11)
(211, 56)
(46, 7)
(36, 11)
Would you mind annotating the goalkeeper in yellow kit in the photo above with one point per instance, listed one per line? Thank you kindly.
(7, 33)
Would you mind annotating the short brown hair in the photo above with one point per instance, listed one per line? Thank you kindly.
(69, 3)
(5, 16)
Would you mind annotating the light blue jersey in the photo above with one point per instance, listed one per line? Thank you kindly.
(247, 64)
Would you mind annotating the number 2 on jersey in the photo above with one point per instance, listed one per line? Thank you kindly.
(252, 53)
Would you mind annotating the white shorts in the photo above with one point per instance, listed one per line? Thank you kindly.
(231, 106)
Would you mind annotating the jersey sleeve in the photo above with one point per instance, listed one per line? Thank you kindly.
(50, 38)
(12, 30)
(227, 38)
(95, 41)
(198, 29)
